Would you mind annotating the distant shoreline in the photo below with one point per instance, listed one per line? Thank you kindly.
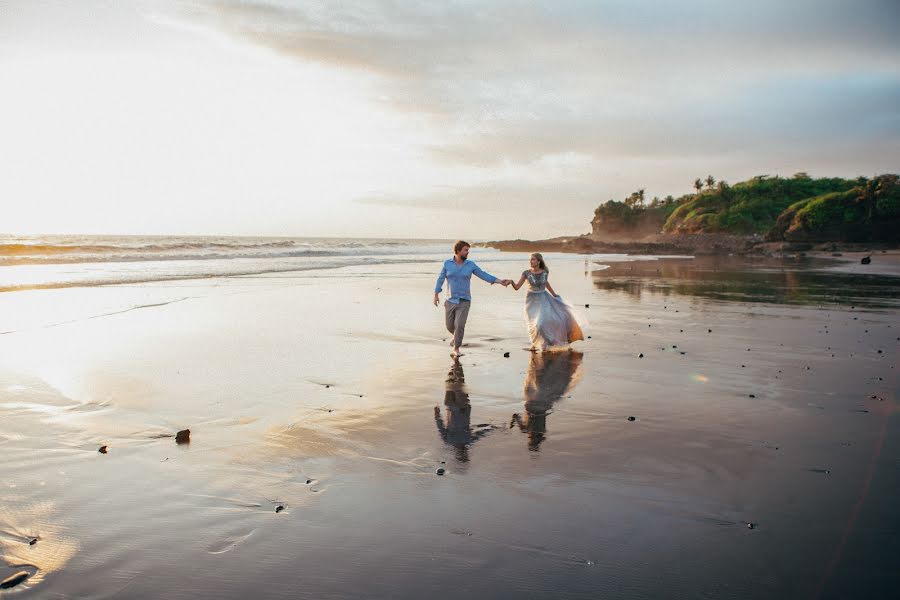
(698, 244)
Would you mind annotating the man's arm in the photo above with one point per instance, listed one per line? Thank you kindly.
(439, 285)
(477, 272)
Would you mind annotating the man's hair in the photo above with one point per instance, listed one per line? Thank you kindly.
(458, 246)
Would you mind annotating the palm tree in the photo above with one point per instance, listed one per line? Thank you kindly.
(710, 181)
(698, 184)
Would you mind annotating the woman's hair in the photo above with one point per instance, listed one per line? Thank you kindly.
(541, 262)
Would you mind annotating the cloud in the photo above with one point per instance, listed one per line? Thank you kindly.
(512, 83)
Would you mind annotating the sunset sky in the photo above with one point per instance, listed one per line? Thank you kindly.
(481, 120)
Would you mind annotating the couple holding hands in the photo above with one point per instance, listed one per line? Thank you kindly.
(551, 323)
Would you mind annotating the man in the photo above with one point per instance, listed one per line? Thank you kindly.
(458, 272)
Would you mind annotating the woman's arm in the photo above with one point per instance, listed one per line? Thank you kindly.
(516, 286)
(550, 289)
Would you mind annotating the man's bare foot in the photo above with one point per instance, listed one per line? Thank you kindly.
(455, 352)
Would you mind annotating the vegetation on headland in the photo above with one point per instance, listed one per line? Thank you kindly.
(799, 208)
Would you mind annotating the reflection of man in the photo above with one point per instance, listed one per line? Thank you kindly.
(550, 375)
(457, 431)
(458, 272)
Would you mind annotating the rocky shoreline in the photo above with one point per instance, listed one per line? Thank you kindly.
(694, 244)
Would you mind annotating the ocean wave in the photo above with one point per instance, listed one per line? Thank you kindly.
(73, 251)
(38, 249)
(147, 277)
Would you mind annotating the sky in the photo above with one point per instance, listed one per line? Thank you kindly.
(397, 118)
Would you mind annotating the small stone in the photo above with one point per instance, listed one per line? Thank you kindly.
(589, 337)
(183, 437)
(632, 418)
(751, 525)
(308, 481)
(103, 449)
(709, 331)
(506, 355)
(587, 305)
(32, 542)
(879, 352)
(641, 355)
(753, 395)
(279, 508)
(866, 260)
(440, 471)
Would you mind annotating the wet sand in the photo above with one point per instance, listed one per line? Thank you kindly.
(763, 459)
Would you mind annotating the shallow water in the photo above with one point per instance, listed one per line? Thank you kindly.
(331, 393)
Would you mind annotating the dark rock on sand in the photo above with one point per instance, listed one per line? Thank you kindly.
(440, 471)
(279, 508)
(751, 525)
(753, 395)
(506, 355)
(33, 541)
(632, 418)
(641, 355)
(103, 449)
(14, 580)
(866, 260)
(587, 305)
(183, 437)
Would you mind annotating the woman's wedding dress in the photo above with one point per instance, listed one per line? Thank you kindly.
(551, 322)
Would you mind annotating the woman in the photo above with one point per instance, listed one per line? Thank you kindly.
(551, 322)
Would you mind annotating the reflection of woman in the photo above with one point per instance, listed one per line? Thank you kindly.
(457, 431)
(550, 376)
(550, 321)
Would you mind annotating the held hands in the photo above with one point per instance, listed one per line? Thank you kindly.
(505, 282)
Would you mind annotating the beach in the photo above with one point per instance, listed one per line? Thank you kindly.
(728, 430)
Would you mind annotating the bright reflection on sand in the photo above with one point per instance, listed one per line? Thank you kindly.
(31, 541)
(700, 378)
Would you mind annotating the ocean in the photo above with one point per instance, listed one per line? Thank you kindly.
(59, 261)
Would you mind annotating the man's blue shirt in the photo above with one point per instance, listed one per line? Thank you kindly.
(459, 278)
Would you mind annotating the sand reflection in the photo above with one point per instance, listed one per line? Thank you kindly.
(456, 429)
(550, 376)
(800, 281)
